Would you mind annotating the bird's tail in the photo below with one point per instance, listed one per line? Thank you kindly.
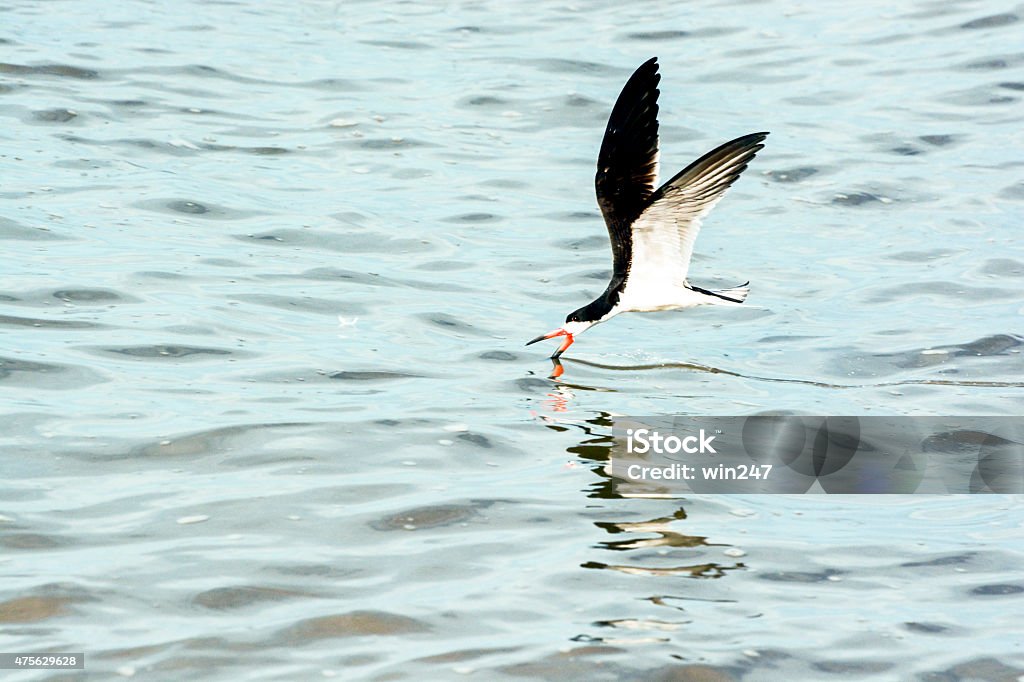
(731, 296)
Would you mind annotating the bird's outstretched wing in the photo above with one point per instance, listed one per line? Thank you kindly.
(663, 234)
(627, 166)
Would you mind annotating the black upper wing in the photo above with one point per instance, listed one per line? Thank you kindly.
(627, 166)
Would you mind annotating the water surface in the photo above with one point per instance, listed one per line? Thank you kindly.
(268, 269)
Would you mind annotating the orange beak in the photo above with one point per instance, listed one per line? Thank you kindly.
(550, 335)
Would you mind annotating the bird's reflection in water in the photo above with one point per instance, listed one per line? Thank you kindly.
(563, 393)
(655, 547)
(708, 570)
(559, 399)
(665, 536)
(659, 533)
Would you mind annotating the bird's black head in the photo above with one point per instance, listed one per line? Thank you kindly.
(593, 311)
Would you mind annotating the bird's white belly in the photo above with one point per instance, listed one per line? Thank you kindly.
(644, 297)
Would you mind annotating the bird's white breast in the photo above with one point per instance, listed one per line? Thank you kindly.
(648, 294)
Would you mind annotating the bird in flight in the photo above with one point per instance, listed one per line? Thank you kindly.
(652, 230)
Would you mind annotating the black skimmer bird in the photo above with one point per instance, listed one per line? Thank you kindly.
(652, 230)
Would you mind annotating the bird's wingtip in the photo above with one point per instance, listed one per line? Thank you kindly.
(651, 64)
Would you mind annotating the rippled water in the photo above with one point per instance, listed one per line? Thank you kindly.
(267, 273)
